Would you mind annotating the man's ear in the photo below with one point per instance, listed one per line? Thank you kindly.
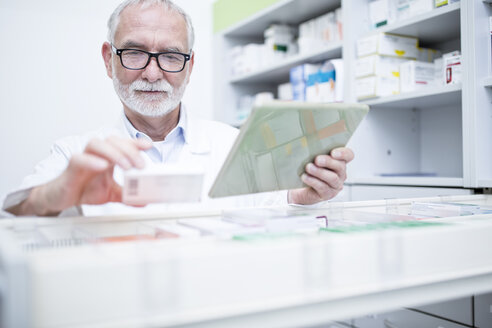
(191, 62)
(107, 54)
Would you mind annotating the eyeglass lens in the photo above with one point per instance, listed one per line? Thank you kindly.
(136, 59)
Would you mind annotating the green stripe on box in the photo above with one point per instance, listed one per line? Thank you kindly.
(230, 12)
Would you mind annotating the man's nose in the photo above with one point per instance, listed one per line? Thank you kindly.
(152, 72)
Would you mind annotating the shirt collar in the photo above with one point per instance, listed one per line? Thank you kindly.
(192, 131)
(180, 128)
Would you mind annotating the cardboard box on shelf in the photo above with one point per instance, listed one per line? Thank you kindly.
(452, 67)
(416, 75)
(428, 55)
(376, 86)
(378, 65)
(298, 77)
(389, 45)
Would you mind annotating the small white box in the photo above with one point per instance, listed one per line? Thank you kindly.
(376, 86)
(163, 183)
(284, 91)
(428, 55)
(416, 75)
(379, 13)
(388, 45)
(439, 72)
(418, 7)
(378, 65)
(452, 66)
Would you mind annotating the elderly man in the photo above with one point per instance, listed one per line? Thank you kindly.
(149, 57)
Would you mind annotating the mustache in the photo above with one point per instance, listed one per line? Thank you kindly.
(140, 85)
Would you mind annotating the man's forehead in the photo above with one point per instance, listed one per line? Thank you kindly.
(150, 22)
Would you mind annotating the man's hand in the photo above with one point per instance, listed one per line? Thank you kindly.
(88, 178)
(324, 178)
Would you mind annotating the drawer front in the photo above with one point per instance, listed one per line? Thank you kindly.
(483, 310)
(460, 310)
(403, 319)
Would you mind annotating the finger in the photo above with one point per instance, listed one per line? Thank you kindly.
(130, 149)
(329, 177)
(343, 154)
(323, 190)
(108, 151)
(116, 193)
(88, 162)
(327, 162)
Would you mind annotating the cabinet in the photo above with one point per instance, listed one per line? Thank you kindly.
(438, 137)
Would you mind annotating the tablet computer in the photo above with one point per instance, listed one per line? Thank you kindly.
(277, 141)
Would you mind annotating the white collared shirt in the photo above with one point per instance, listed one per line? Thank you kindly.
(194, 140)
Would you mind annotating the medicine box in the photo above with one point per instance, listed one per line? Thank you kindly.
(439, 72)
(428, 55)
(378, 65)
(409, 8)
(284, 91)
(389, 45)
(320, 87)
(416, 75)
(163, 183)
(452, 67)
(379, 13)
(376, 86)
(298, 78)
(440, 3)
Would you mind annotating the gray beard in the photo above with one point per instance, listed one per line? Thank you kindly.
(160, 104)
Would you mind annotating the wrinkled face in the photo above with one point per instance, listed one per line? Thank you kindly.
(150, 91)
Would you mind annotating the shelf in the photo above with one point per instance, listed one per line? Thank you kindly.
(291, 12)
(485, 183)
(431, 97)
(409, 181)
(280, 73)
(438, 25)
(487, 82)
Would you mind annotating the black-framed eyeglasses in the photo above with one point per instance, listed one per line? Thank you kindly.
(136, 59)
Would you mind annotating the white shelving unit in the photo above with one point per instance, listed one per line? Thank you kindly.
(438, 137)
(432, 97)
(277, 73)
(487, 82)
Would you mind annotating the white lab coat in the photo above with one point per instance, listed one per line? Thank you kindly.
(207, 144)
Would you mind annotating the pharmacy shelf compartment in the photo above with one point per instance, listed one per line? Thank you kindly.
(438, 25)
(300, 281)
(280, 73)
(431, 97)
(291, 12)
(410, 181)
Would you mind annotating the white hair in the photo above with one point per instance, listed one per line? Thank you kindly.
(167, 4)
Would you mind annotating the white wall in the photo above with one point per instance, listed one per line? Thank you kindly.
(52, 77)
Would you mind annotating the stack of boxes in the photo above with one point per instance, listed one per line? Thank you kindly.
(421, 73)
(280, 43)
(390, 64)
(320, 32)
(383, 12)
(377, 69)
(299, 77)
(314, 82)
